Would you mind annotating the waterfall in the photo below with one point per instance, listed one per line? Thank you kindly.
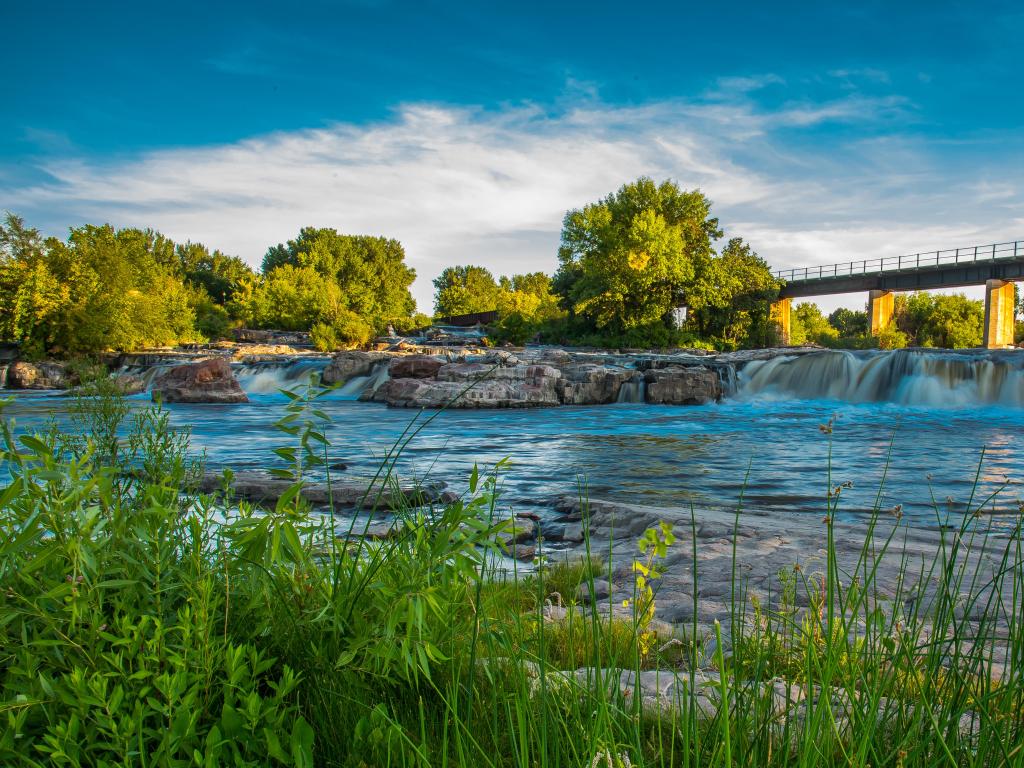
(357, 385)
(633, 391)
(270, 378)
(907, 377)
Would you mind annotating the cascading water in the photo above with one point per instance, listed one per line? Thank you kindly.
(355, 386)
(633, 391)
(906, 377)
(270, 378)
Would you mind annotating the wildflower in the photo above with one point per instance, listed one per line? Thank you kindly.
(826, 520)
(897, 511)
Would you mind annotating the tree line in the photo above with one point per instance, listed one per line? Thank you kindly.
(950, 321)
(124, 289)
(627, 266)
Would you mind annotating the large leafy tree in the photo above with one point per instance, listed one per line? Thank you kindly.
(627, 260)
(370, 272)
(731, 295)
(809, 325)
(462, 290)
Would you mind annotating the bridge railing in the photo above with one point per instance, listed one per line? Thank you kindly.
(979, 253)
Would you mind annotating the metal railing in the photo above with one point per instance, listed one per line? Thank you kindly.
(977, 253)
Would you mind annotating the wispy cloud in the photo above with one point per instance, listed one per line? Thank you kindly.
(460, 185)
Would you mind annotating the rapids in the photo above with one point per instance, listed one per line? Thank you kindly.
(925, 421)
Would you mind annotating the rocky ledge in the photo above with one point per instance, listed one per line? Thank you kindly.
(545, 378)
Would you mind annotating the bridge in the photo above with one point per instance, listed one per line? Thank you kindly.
(995, 266)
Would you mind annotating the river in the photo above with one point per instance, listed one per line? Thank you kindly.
(929, 423)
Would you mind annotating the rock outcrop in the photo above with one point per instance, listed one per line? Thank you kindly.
(415, 367)
(592, 383)
(347, 365)
(677, 385)
(475, 385)
(208, 381)
(23, 375)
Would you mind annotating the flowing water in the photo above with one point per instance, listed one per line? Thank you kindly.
(923, 420)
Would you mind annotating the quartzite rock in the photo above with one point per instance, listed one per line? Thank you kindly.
(22, 375)
(677, 385)
(209, 381)
(592, 384)
(475, 385)
(415, 367)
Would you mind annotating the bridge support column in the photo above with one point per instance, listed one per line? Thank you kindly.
(880, 310)
(780, 313)
(999, 311)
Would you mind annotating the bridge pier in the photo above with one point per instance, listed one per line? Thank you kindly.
(780, 313)
(999, 314)
(881, 305)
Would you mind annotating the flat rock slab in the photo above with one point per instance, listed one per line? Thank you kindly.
(764, 547)
(263, 489)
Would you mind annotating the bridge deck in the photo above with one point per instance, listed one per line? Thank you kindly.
(954, 268)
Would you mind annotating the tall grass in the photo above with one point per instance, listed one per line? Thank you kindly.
(144, 624)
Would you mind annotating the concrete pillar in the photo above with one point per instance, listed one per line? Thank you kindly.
(780, 313)
(998, 314)
(880, 309)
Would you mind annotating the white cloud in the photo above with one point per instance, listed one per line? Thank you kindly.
(460, 185)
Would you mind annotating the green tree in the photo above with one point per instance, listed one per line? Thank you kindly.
(626, 260)
(809, 325)
(933, 320)
(463, 290)
(849, 323)
(731, 297)
(370, 272)
(525, 304)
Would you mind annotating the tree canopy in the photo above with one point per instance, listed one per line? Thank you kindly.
(107, 289)
(370, 273)
(463, 290)
(627, 260)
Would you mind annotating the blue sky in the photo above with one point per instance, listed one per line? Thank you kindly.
(822, 131)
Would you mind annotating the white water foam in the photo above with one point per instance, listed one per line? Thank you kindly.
(906, 377)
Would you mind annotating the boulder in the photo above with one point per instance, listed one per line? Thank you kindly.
(208, 381)
(475, 385)
(592, 384)
(129, 384)
(415, 367)
(678, 385)
(22, 375)
(348, 365)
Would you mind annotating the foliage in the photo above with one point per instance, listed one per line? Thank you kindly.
(361, 275)
(526, 305)
(809, 325)
(936, 320)
(731, 296)
(627, 260)
(464, 290)
(849, 322)
(109, 289)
